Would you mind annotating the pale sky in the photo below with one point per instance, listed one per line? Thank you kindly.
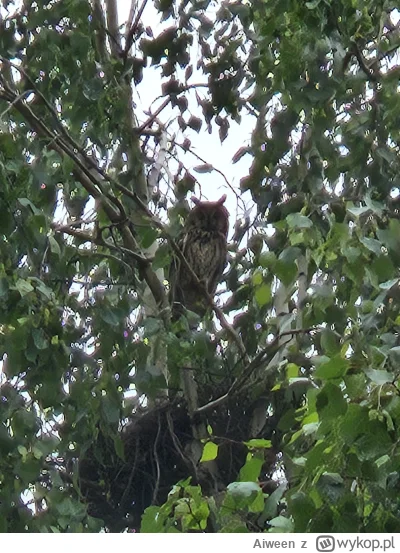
(206, 146)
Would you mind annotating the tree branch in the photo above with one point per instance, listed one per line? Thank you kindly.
(217, 310)
(152, 117)
(372, 76)
(132, 29)
(94, 187)
(101, 36)
(112, 27)
(269, 350)
(193, 153)
(95, 240)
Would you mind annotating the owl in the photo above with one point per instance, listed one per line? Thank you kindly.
(203, 242)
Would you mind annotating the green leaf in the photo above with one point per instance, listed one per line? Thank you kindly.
(210, 452)
(372, 245)
(7, 443)
(354, 423)
(329, 342)
(379, 377)
(258, 443)
(296, 220)
(110, 409)
(40, 339)
(148, 236)
(302, 509)
(286, 272)
(54, 247)
(4, 287)
(272, 504)
(243, 493)
(153, 520)
(267, 260)
(257, 278)
(28, 470)
(24, 287)
(330, 402)
(25, 202)
(358, 211)
(373, 444)
(119, 447)
(250, 471)
(162, 257)
(394, 354)
(312, 5)
(281, 524)
(110, 316)
(152, 326)
(334, 368)
(263, 294)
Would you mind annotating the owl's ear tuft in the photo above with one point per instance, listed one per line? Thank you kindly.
(195, 200)
(221, 200)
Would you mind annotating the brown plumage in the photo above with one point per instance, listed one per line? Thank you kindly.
(203, 243)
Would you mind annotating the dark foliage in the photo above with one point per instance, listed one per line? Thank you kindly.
(155, 457)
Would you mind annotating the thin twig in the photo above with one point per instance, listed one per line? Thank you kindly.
(157, 460)
(131, 474)
(193, 153)
(132, 30)
(217, 310)
(68, 137)
(112, 258)
(175, 440)
(17, 99)
(270, 349)
(152, 117)
(86, 237)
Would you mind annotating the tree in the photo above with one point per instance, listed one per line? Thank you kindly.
(280, 411)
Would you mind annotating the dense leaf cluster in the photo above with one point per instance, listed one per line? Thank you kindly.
(296, 409)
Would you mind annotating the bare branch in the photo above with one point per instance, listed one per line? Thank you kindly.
(217, 310)
(157, 460)
(152, 117)
(112, 27)
(367, 69)
(94, 186)
(131, 15)
(17, 99)
(269, 350)
(132, 28)
(101, 36)
(159, 163)
(193, 153)
(96, 240)
(182, 88)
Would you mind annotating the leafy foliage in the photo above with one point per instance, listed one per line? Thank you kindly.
(281, 412)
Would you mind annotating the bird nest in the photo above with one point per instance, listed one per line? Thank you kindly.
(119, 487)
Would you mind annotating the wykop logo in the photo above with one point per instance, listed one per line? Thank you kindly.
(325, 544)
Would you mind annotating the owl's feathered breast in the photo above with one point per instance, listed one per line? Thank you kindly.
(204, 246)
(205, 251)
